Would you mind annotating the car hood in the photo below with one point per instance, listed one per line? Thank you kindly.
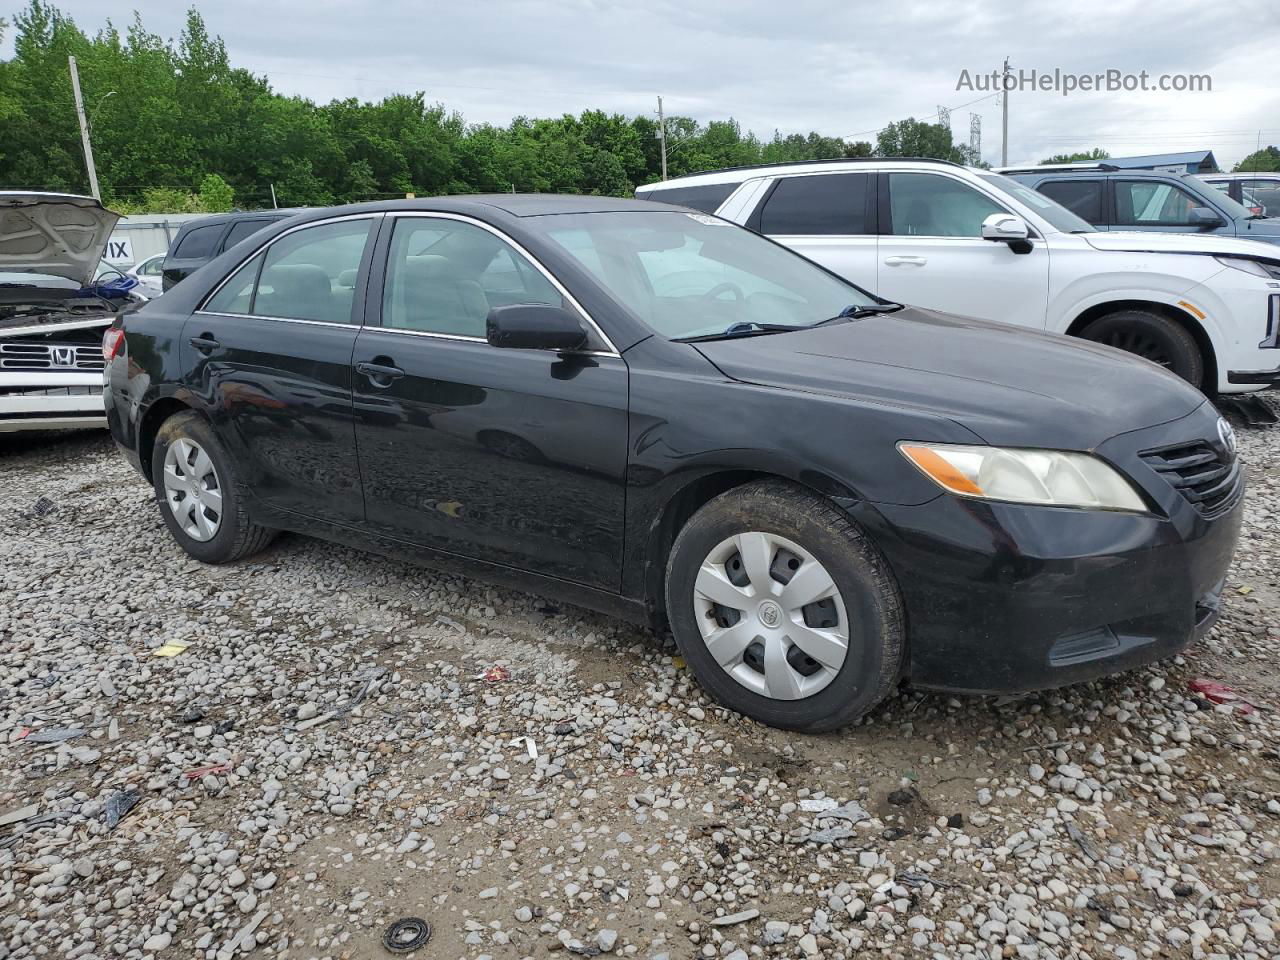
(1007, 385)
(1195, 243)
(1267, 229)
(56, 234)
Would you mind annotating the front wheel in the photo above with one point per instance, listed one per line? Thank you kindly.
(1153, 337)
(200, 497)
(783, 609)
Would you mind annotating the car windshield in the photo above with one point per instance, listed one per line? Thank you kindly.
(689, 275)
(1058, 216)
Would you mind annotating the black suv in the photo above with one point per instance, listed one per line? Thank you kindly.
(1115, 199)
(199, 241)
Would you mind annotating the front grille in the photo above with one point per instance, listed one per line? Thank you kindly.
(1207, 477)
(50, 356)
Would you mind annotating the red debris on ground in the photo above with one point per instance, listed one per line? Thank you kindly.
(199, 772)
(497, 674)
(1216, 692)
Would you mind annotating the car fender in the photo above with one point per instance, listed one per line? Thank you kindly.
(1145, 278)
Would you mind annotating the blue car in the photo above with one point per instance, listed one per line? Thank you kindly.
(1115, 199)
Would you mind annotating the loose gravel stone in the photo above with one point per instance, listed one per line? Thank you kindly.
(485, 754)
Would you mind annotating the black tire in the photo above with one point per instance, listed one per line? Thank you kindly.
(872, 603)
(237, 537)
(1152, 337)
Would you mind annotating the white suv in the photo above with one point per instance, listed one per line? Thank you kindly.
(973, 243)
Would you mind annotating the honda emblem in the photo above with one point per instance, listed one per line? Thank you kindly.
(64, 356)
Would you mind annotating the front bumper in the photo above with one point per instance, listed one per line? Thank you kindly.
(1004, 598)
(39, 400)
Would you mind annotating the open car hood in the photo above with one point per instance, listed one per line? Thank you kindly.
(57, 234)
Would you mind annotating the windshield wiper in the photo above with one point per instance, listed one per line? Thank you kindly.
(13, 285)
(743, 328)
(856, 310)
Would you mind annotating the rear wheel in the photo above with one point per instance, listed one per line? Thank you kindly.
(783, 609)
(1152, 337)
(199, 494)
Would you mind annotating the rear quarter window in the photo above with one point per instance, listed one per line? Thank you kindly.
(199, 242)
(706, 198)
(831, 204)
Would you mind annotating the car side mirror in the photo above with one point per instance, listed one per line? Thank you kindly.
(535, 326)
(1005, 228)
(1205, 218)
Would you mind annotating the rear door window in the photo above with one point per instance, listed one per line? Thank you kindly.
(236, 295)
(305, 273)
(830, 204)
(199, 243)
(1081, 197)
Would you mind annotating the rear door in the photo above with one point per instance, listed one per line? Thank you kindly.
(932, 253)
(270, 355)
(516, 457)
(828, 217)
(1261, 192)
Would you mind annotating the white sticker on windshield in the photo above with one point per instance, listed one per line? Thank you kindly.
(709, 221)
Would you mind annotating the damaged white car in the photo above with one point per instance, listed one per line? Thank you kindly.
(55, 304)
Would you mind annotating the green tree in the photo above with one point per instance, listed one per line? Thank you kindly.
(176, 126)
(1085, 156)
(1266, 160)
(916, 138)
(215, 194)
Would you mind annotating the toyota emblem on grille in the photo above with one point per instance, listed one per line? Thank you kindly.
(64, 356)
(1228, 436)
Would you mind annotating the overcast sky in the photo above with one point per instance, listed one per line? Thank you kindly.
(840, 68)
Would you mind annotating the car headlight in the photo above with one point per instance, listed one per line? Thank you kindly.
(1259, 268)
(1057, 478)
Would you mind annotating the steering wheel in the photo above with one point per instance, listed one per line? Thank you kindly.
(725, 287)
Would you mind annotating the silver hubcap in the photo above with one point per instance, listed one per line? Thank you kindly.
(771, 616)
(192, 489)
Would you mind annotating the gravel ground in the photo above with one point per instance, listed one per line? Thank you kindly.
(346, 741)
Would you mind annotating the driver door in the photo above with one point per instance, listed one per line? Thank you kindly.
(511, 456)
(932, 254)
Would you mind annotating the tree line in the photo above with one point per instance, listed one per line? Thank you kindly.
(176, 127)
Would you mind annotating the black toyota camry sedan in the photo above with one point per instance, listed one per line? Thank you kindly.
(654, 413)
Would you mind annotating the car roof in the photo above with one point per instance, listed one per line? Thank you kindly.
(484, 206)
(1240, 175)
(836, 165)
(1095, 174)
(214, 219)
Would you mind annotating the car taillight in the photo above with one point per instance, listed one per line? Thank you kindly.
(1256, 211)
(112, 343)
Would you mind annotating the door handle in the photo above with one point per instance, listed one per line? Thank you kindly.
(205, 343)
(906, 261)
(380, 374)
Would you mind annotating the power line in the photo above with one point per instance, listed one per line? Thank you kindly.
(932, 116)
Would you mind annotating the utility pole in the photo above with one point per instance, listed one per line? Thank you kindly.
(84, 131)
(662, 138)
(1004, 123)
(274, 205)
